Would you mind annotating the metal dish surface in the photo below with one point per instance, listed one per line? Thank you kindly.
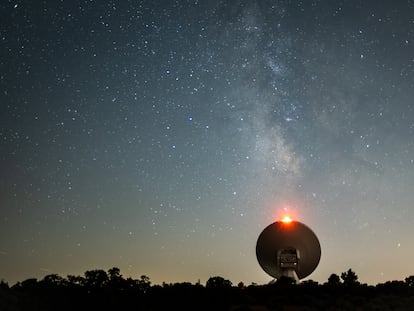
(282, 235)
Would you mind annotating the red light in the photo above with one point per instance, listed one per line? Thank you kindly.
(287, 219)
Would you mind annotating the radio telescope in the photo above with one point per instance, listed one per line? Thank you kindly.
(288, 248)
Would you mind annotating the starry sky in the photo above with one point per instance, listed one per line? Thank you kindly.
(162, 137)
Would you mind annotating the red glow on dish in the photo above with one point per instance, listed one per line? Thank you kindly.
(287, 219)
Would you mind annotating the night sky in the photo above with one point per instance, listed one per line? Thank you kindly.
(161, 137)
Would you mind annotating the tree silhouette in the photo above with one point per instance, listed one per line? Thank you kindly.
(114, 273)
(334, 279)
(410, 281)
(28, 284)
(53, 280)
(115, 279)
(285, 281)
(218, 282)
(4, 284)
(144, 283)
(100, 290)
(75, 280)
(96, 278)
(349, 277)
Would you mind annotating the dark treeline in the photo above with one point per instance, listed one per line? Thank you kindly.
(109, 290)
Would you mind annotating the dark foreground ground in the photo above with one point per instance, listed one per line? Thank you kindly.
(99, 290)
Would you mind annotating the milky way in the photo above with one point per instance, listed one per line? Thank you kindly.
(162, 137)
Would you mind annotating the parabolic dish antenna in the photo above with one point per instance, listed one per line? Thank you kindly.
(288, 248)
